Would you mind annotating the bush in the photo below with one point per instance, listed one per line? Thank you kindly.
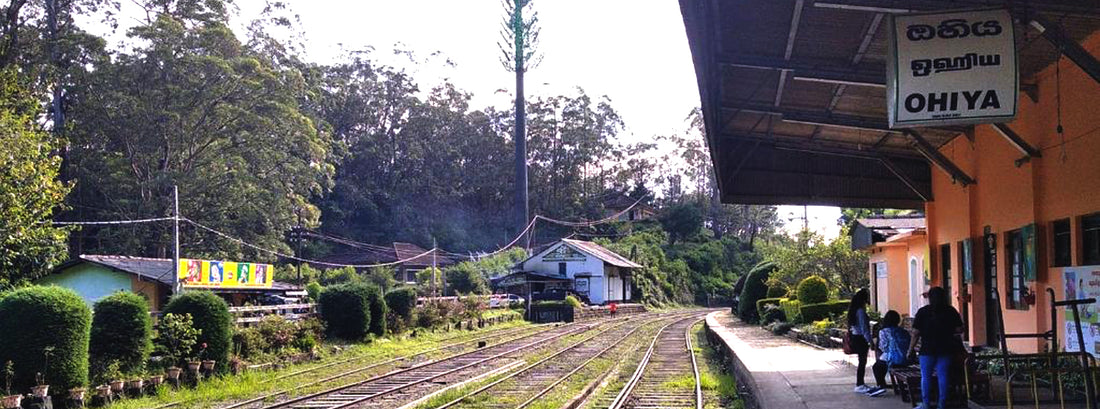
(176, 336)
(780, 328)
(777, 290)
(755, 289)
(313, 290)
(792, 310)
(813, 290)
(45, 329)
(763, 303)
(402, 304)
(772, 313)
(121, 331)
(573, 301)
(346, 310)
(210, 315)
(821, 311)
(378, 310)
(465, 278)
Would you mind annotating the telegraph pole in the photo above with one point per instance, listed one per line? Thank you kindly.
(298, 246)
(177, 287)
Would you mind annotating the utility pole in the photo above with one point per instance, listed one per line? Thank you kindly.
(178, 287)
(298, 246)
(518, 48)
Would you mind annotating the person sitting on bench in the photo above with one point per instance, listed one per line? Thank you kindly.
(893, 342)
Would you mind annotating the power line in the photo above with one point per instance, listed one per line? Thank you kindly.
(111, 222)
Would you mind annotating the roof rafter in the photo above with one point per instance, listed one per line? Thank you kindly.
(834, 74)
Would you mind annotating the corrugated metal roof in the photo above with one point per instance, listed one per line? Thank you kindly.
(154, 269)
(598, 251)
(893, 222)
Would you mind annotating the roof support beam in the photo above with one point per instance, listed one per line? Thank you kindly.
(1053, 33)
(1078, 7)
(803, 144)
(1017, 142)
(832, 120)
(939, 160)
(810, 72)
(796, 16)
(925, 194)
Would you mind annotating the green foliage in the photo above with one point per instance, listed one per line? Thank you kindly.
(343, 275)
(428, 280)
(772, 313)
(176, 337)
(402, 303)
(779, 290)
(346, 310)
(843, 268)
(464, 278)
(682, 221)
(780, 327)
(45, 324)
(121, 331)
(755, 289)
(382, 277)
(573, 301)
(210, 315)
(792, 309)
(763, 303)
(29, 188)
(813, 290)
(378, 310)
(275, 337)
(819, 311)
(313, 290)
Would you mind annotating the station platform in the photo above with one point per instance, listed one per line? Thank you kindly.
(780, 373)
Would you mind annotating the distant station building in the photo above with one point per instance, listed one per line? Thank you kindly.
(97, 276)
(583, 267)
(981, 114)
(618, 203)
(897, 246)
(409, 259)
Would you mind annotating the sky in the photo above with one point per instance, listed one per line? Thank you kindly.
(634, 52)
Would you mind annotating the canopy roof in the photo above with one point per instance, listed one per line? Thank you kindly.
(794, 100)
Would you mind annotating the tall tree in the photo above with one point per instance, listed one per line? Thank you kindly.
(518, 45)
(29, 188)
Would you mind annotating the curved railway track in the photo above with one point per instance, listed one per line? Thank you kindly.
(392, 389)
(521, 388)
(670, 356)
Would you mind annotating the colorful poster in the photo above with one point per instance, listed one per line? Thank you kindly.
(1028, 233)
(968, 260)
(1080, 283)
(225, 274)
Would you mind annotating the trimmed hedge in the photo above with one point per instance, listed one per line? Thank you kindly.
(761, 304)
(820, 311)
(346, 310)
(777, 291)
(121, 331)
(792, 309)
(35, 318)
(813, 290)
(313, 290)
(210, 314)
(755, 289)
(402, 303)
(378, 310)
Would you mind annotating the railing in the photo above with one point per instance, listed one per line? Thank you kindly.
(253, 314)
(1049, 378)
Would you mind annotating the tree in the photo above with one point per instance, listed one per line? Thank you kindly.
(844, 268)
(464, 278)
(520, 39)
(681, 221)
(29, 189)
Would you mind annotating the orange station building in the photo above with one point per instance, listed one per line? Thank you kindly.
(795, 108)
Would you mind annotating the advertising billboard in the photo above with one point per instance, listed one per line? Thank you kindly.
(225, 274)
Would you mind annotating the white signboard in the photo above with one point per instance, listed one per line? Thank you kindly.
(952, 68)
(1081, 283)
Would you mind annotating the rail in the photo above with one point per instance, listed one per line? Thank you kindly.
(635, 379)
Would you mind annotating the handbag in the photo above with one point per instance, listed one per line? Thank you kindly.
(846, 342)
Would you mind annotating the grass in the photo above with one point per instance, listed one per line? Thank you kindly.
(231, 388)
(719, 388)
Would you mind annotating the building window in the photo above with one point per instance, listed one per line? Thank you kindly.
(1063, 250)
(561, 269)
(1014, 253)
(1090, 237)
(945, 267)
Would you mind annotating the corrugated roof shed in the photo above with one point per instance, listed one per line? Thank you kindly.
(598, 251)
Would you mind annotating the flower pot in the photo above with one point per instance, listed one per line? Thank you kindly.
(208, 365)
(13, 401)
(40, 391)
(156, 380)
(173, 372)
(193, 366)
(135, 383)
(116, 386)
(77, 394)
(103, 391)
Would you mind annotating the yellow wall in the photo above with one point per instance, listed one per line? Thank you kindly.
(1064, 182)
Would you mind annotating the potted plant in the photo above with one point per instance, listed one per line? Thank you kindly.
(41, 388)
(236, 364)
(114, 377)
(103, 391)
(77, 393)
(173, 372)
(10, 401)
(157, 379)
(207, 364)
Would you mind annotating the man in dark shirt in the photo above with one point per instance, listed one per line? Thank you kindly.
(936, 328)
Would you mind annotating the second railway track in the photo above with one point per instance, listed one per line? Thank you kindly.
(657, 382)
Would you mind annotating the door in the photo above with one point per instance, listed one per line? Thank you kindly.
(882, 288)
(916, 286)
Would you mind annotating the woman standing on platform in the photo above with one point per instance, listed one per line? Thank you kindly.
(859, 338)
(936, 327)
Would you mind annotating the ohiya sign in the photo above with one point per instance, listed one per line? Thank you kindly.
(225, 274)
(952, 68)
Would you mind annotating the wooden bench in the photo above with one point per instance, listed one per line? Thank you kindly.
(907, 384)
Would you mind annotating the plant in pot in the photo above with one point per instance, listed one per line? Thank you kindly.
(113, 376)
(77, 394)
(10, 401)
(207, 364)
(175, 338)
(41, 388)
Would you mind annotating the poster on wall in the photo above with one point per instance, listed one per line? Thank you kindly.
(951, 68)
(968, 260)
(1080, 283)
(225, 274)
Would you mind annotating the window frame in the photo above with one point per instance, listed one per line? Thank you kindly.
(1090, 235)
(1015, 278)
(1067, 236)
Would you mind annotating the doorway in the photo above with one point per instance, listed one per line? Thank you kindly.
(916, 285)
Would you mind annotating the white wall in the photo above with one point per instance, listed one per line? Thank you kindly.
(590, 265)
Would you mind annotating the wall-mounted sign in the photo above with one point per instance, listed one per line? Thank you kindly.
(564, 253)
(580, 285)
(1080, 283)
(225, 274)
(952, 68)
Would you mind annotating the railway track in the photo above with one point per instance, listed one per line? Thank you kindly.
(405, 384)
(373, 369)
(525, 386)
(658, 381)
